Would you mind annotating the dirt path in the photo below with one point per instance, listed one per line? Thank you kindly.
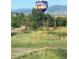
(21, 51)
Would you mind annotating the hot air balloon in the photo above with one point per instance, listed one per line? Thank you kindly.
(41, 5)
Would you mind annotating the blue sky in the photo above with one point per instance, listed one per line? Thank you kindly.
(15, 4)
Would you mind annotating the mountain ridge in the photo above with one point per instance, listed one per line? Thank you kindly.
(51, 9)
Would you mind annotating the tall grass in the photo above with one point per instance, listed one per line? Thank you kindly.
(40, 39)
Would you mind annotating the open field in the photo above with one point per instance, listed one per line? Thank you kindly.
(40, 44)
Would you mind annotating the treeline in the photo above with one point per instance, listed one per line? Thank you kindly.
(37, 19)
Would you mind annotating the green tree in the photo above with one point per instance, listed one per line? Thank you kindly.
(61, 21)
(15, 21)
(36, 19)
(19, 19)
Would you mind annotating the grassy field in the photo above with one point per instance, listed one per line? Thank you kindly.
(35, 41)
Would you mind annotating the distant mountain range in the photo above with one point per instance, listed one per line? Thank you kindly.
(23, 10)
(54, 9)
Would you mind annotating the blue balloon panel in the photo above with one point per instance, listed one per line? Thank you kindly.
(41, 6)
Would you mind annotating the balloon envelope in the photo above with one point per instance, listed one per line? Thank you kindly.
(41, 6)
